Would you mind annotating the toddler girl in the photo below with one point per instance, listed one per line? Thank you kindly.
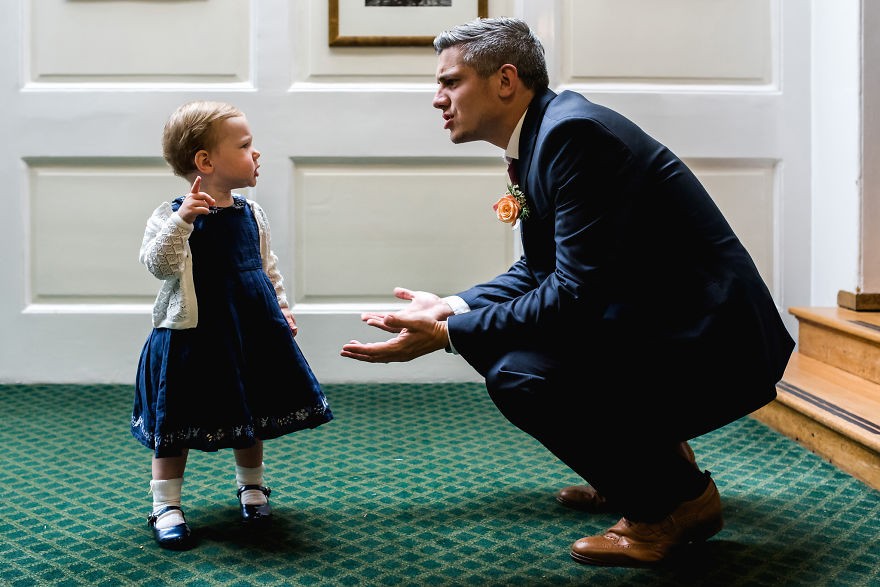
(220, 368)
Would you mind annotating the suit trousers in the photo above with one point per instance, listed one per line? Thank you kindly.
(594, 423)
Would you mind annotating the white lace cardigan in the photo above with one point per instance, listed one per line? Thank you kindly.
(165, 252)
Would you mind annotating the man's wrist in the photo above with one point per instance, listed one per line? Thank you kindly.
(449, 347)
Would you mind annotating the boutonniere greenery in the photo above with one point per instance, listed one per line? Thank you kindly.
(512, 206)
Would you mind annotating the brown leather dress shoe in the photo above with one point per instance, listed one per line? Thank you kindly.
(584, 498)
(639, 544)
(587, 499)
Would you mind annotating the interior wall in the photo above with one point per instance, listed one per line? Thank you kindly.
(836, 151)
(364, 190)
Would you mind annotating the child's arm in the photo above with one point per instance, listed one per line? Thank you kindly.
(291, 320)
(270, 266)
(270, 260)
(164, 248)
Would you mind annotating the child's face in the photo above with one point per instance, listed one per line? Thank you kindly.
(233, 155)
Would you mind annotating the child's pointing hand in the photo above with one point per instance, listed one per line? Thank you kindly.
(195, 202)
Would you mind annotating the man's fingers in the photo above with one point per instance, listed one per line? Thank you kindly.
(395, 323)
(363, 358)
(378, 321)
(358, 351)
(367, 316)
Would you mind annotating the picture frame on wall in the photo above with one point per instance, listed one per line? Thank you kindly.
(377, 23)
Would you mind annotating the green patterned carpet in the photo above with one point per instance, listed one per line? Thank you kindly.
(411, 484)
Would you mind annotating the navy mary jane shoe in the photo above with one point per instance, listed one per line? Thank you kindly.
(255, 513)
(177, 537)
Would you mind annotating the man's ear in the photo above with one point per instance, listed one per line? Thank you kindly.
(203, 161)
(508, 78)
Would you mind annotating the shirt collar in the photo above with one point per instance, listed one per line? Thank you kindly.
(512, 151)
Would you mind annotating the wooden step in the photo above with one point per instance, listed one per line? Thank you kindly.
(830, 411)
(841, 338)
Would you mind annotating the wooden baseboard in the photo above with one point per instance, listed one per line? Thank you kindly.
(859, 302)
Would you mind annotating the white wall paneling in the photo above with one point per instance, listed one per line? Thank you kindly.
(674, 41)
(363, 188)
(366, 226)
(80, 41)
(85, 221)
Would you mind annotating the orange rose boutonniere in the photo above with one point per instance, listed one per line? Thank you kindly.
(512, 207)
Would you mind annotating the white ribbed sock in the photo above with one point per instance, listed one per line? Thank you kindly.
(167, 492)
(250, 476)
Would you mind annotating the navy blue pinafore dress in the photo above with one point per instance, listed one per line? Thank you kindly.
(239, 375)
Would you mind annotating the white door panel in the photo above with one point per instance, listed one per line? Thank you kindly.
(362, 186)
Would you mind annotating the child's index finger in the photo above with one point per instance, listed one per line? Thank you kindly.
(197, 184)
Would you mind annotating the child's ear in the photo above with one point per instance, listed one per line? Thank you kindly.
(203, 162)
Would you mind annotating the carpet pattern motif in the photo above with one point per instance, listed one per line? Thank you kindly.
(413, 484)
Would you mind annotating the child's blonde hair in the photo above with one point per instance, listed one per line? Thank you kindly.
(190, 129)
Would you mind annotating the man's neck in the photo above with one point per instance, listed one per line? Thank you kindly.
(511, 151)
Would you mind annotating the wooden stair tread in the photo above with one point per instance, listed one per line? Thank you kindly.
(860, 324)
(836, 398)
(829, 397)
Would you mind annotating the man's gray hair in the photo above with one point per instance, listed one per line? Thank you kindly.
(488, 43)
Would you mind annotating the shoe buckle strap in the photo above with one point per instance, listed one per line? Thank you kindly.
(261, 488)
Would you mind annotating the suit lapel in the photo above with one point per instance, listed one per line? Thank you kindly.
(528, 140)
(529, 134)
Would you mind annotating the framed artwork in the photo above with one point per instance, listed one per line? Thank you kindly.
(371, 23)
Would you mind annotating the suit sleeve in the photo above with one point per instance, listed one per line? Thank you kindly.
(517, 281)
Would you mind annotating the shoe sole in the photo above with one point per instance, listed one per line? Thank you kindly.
(586, 560)
(697, 535)
(179, 544)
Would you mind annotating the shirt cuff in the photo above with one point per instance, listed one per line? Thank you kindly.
(458, 305)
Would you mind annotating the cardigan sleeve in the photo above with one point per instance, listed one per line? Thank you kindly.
(270, 260)
(164, 248)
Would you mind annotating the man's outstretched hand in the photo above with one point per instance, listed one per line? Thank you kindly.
(420, 329)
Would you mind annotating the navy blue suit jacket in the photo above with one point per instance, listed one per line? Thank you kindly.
(630, 275)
